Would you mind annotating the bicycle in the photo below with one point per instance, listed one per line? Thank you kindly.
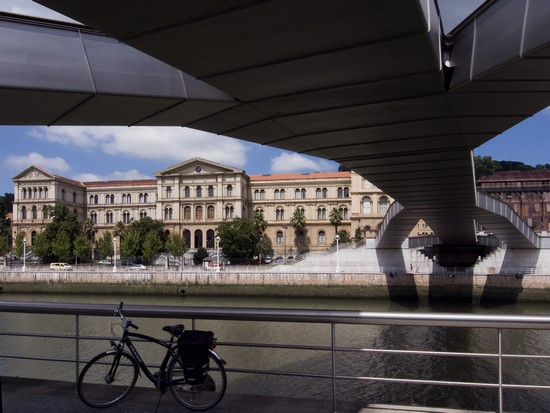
(110, 376)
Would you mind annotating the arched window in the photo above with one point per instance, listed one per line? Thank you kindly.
(91, 199)
(187, 237)
(256, 194)
(46, 193)
(93, 217)
(107, 199)
(301, 237)
(187, 192)
(383, 204)
(198, 238)
(322, 237)
(283, 194)
(210, 191)
(140, 198)
(126, 217)
(112, 199)
(321, 213)
(124, 199)
(346, 192)
(34, 212)
(210, 235)
(280, 214)
(229, 190)
(366, 205)
(198, 213)
(340, 192)
(262, 194)
(199, 191)
(40, 193)
(210, 212)
(109, 217)
(145, 197)
(344, 212)
(33, 237)
(168, 192)
(168, 213)
(279, 237)
(229, 211)
(187, 212)
(142, 214)
(34, 193)
(45, 214)
(74, 196)
(277, 194)
(62, 194)
(24, 212)
(24, 193)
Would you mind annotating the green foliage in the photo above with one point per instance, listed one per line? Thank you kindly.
(239, 238)
(82, 246)
(345, 238)
(151, 245)
(63, 220)
(298, 220)
(62, 246)
(18, 250)
(4, 245)
(335, 218)
(260, 223)
(105, 245)
(42, 246)
(358, 234)
(130, 244)
(89, 229)
(6, 202)
(120, 230)
(200, 255)
(175, 244)
(486, 166)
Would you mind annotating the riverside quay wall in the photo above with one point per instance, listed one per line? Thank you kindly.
(461, 287)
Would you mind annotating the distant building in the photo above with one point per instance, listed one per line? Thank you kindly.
(527, 193)
(192, 198)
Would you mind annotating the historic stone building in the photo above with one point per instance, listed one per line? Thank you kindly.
(193, 197)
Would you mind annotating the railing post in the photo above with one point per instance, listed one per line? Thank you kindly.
(333, 352)
(500, 392)
(77, 346)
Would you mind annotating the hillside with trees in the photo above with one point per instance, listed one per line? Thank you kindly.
(486, 166)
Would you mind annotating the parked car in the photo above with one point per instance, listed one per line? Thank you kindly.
(60, 266)
(268, 259)
(128, 263)
(104, 262)
(137, 267)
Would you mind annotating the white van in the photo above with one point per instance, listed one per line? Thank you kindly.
(60, 266)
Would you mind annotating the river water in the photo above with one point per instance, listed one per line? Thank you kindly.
(464, 369)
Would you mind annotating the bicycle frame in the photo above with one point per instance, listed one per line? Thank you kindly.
(160, 379)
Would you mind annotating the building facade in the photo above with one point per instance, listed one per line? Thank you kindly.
(192, 198)
(526, 192)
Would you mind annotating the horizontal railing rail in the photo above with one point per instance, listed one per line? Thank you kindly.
(331, 317)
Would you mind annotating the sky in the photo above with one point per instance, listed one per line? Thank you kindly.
(113, 153)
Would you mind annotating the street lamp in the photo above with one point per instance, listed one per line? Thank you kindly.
(218, 253)
(114, 254)
(337, 262)
(24, 255)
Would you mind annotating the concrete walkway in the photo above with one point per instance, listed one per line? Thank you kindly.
(41, 396)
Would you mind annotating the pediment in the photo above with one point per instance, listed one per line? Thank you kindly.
(196, 167)
(34, 173)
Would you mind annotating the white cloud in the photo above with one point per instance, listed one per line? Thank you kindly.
(30, 8)
(129, 175)
(293, 162)
(20, 162)
(153, 143)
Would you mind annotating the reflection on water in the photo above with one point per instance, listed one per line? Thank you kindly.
(364, 364)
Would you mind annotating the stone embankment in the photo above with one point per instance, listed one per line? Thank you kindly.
(466, 287)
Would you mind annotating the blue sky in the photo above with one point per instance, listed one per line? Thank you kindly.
(103, 153)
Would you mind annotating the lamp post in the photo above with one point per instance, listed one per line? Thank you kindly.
(114, 254)
(337, 261)
(218, 253)
(24, 255)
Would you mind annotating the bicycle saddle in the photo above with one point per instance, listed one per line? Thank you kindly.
(175, 330)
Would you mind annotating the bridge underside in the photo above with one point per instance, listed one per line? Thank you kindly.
(372, 85)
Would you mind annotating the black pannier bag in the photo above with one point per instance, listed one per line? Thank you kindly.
(193, 346)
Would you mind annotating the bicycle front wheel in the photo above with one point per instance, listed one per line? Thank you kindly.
(202, 396)
(107, 379)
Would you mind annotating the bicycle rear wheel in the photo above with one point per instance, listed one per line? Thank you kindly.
(107, 379)
(202, 396)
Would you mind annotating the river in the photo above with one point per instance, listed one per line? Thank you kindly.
(465, 369)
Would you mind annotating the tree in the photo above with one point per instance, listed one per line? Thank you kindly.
(18, 250)
(120, 230)
(260, 224)
(151, 245)
(89, 229)
(345, 238)
(82, 246)
(199, 255)
(175, 244)
(484, 166)
(4, 246)
(41, 247)
(130, 244)
(63, 220)
(105, 245)
(62, 246)
(239, 238)
(358, 234)
(298, 220)
(335, 218)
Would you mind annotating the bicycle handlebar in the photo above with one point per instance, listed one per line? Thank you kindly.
(126, 322)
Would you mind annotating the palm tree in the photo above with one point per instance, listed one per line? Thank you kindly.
(335, 218)
(120, 229)
(89, 229)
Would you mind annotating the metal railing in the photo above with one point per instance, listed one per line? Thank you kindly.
(331, 317)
